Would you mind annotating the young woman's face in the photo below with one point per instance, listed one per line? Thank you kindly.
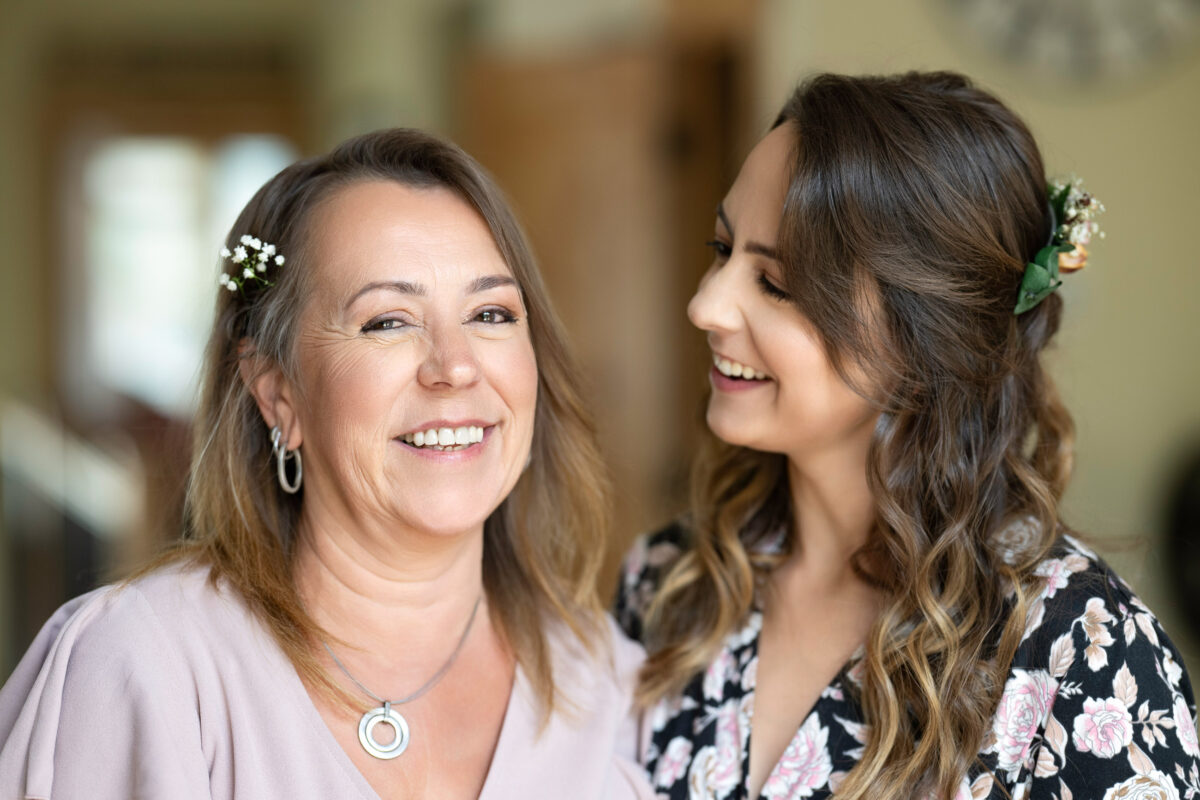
(773, 388)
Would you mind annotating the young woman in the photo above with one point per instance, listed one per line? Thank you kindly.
(875, 593)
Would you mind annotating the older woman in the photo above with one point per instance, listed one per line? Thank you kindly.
(395, 519)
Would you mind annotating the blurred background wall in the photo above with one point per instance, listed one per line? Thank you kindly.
(131, 132)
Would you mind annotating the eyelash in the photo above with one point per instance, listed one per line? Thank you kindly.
(392, 323)
(509, 317)
(383, 324)
(722, 251)
(770, 289)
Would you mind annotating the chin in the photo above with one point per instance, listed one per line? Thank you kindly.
(448, 511)
(729, 429)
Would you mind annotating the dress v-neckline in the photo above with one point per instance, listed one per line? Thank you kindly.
(516, 695)
(750, 695)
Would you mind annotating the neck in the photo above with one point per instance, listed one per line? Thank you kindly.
(833, 509)
(398, 600)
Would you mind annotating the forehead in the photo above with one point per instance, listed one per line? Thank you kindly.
(385, 230)
(755, 201)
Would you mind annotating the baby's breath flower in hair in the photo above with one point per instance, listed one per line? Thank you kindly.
(253, 266)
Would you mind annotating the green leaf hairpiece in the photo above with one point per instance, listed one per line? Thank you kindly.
(1072, 211)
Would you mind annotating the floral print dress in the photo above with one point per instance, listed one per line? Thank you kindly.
(1096, 706)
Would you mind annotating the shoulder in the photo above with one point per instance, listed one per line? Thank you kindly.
(1079, 593)
(606, 667)
(175, 606)
(131, 620)
(1097, 679)
(643, 569)
(588, 746)
(151, 626)
(109, 671)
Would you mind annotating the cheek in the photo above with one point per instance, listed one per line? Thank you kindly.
(813, 397)
(354, 387)
(512, 370)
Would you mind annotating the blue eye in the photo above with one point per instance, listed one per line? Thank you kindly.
(720, 249)
(496, 316)
(770, 289)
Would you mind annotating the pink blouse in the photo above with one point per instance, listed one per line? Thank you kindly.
(169, 688)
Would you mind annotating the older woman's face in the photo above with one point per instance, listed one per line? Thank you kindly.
(417, 381)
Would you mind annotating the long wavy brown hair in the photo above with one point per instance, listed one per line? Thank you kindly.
(543, 547)
(914, 204)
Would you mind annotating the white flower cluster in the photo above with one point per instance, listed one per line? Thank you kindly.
(1080, 209)
(253, 265)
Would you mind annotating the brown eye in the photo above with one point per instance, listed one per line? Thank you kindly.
(383, 324)
(496, 316)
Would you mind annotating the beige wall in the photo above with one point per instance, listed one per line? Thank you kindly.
(1127, 355)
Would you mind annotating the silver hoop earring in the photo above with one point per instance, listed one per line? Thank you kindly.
(282, 455)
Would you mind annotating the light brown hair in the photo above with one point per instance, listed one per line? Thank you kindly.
(915, 202)
(543, 546)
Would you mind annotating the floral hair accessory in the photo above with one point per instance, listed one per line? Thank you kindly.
(1072, 210)
(250, 261)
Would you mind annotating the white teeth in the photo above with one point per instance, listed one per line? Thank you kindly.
(446, 438)
(735, 370)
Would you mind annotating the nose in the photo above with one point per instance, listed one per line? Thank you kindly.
(451, 362)
(714, 306)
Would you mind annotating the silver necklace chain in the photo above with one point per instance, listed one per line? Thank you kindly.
(385, 714)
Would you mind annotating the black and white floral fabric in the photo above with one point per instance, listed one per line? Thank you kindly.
(1096, 706)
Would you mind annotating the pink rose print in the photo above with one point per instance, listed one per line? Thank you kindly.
(700, 783)
(718, 672)
(750, 675)
(727, 768)
(1152, 786)
(805, 766)
(1185, 726)
(1105, 727)
(1023, 709)
(673, 763)
(710, 775)
(1058, 571)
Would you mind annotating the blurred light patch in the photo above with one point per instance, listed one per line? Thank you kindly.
(101, 489)
(155, 211)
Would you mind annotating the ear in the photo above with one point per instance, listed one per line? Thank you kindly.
(272, 392)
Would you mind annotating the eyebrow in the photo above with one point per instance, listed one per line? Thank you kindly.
(758, 248)
(485, 282)
(480, 284)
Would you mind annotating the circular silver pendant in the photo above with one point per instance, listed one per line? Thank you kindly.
(387, 716)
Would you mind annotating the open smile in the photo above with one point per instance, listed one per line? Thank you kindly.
(731, 370)
(447, 437)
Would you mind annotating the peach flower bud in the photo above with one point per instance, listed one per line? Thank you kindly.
(1076, 259)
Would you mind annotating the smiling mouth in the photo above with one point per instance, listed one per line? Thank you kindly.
(737, 371)
(441, 439)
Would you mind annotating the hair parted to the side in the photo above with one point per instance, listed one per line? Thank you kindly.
(544, 545)
(914, 204)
